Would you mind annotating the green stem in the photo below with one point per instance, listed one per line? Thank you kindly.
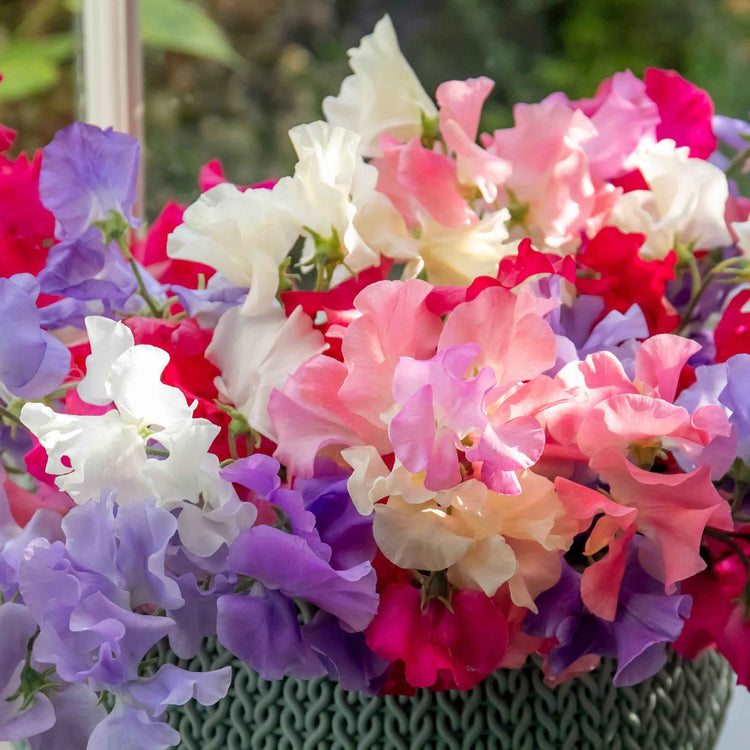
(7, 414)
(734, 169)
(152, 306)
(700, 286)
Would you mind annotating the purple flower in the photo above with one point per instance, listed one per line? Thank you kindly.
(14, 540)
(196, 619)
(86, 631)
(18, 626)
(209, 304)
(725, 385)
(346, 656)
(645, 621)
(261, 628)
(87, 173)
(128, 728)
(340, 525)
(77, 712)
(320, 554)
(33, 363)
(286, 563)
(86, 269)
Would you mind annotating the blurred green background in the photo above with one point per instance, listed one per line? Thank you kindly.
(228, 78)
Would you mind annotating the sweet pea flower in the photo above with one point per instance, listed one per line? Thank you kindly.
(482, 538)
(383, 96)
(684, 205)
(645, 621)
(110, 451)
(460, 105)
(257, 353)
(623, 115)
(32, 362)
(87, 269)
(332, 198)
(429, 644)
(551, 174)
(88, 173)
(319, 556)
(685, 111)
(243, 235)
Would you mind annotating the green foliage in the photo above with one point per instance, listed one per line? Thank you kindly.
(183, 26)
(31, 66)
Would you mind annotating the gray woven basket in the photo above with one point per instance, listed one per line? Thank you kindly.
(681, 708)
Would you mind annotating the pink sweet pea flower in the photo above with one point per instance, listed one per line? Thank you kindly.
(629, 422)
(415, 177)
(551, 170)
(622, 113)
(670, 510)
(460, 105)
(394, 322)
(513, 337)
(438, 410)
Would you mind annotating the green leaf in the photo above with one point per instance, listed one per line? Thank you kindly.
(31, 66)
(183, 26)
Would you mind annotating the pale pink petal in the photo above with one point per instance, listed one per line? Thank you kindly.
(432, 179)
(659, 362)
(517, 346)
(394, 323)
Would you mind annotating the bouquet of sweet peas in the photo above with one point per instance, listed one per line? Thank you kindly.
(433, 404)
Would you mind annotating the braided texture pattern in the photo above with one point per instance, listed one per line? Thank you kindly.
(681, 707)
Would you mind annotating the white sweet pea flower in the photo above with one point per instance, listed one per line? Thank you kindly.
(147, 446)
(332, 198)
(684, 205)
(384, 96)
(257, 353)
(243, 235)
(742, 230)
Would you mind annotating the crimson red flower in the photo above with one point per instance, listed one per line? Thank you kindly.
(732, 333)
(718, 618)
(685, 111)
(26, 226)
(625, 279)
(435, 647)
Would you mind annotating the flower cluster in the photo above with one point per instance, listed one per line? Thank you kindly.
(439, 401)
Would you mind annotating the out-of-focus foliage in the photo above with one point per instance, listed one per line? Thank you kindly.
(291, 53)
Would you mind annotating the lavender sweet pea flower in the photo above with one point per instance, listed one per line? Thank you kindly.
(340, 525)
(196, 620)
(645, 621)
(128, 548)
(77, 712)
(128, 728)
(32, 362)
(85, 630)
(725, 385)
(578, 333)
(87, 269)
(209, 304)
(14, 540)
(87, 173)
